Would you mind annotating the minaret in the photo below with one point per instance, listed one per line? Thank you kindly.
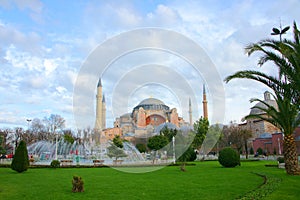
(190, 112)
(103, 112)
(204, 102)
(267, 96)
(99, 107)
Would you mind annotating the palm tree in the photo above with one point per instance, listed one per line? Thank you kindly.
(285, 55)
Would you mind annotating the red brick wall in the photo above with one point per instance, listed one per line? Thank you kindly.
(268, 144)
(261, 143)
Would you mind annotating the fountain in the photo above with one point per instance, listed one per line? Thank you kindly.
(43, 152)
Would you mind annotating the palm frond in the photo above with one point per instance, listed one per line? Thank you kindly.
(285, 55)
(269, 81)
(296, 33)
(297, 121)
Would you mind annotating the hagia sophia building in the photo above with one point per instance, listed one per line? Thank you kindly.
(151, 115)
(146, 119)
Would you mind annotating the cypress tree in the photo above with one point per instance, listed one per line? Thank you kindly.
(20, 161)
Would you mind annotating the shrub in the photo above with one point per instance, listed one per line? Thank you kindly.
(228, 157)
(77, 183)
(188, 156)
(251, 151)
(280, 159)
(193, 155)
(259, 151)
(20, 161)
(55, 164)
(141, 147)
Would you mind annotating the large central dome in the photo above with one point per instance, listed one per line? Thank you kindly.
(151, 101)
(152, 104)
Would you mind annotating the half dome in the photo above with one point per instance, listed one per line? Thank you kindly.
(167, 125)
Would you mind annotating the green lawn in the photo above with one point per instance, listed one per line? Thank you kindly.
(206, 180)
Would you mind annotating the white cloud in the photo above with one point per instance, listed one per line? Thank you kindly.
(163, 16)
(37, 82)
(10, 118)
(40, 63)
(110, 14)
(61, 89)
(50, 66)
(127, 17)
(35, 7)
(9, 35)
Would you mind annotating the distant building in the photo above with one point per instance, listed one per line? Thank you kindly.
(269, 143)
(147, 118)
(259, 126)
(265, 135)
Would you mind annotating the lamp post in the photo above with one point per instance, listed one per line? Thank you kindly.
(279, 149)
(55, 146)
(28, 121)
(174, 158)
(100, 145)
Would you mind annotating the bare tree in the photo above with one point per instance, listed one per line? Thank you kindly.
(18, 132)
(9, 136)
(54, 123)
(37, 125)
(29, 137)
(236, 137)
(3, 140)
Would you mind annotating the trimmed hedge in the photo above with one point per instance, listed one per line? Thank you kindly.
(280, 159)
(20, 161)
(55, 164)
(229, 157)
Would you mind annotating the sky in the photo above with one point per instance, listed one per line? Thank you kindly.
(46, 46)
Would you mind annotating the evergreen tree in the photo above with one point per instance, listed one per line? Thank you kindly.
(156, 143)
(118, 141)
(20, 161)
(2, 149)
(168, 133)
(114, 151)
(200, 129)
(141, 147)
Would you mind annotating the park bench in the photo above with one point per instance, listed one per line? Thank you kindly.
(31, 161)
(98, 162)
(66, 162)
(117, 162)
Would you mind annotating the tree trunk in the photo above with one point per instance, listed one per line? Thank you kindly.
(290, 155)
(153, 161)
(182, 167)
(246, 148)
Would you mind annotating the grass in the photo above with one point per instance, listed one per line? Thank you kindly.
(205, 180)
